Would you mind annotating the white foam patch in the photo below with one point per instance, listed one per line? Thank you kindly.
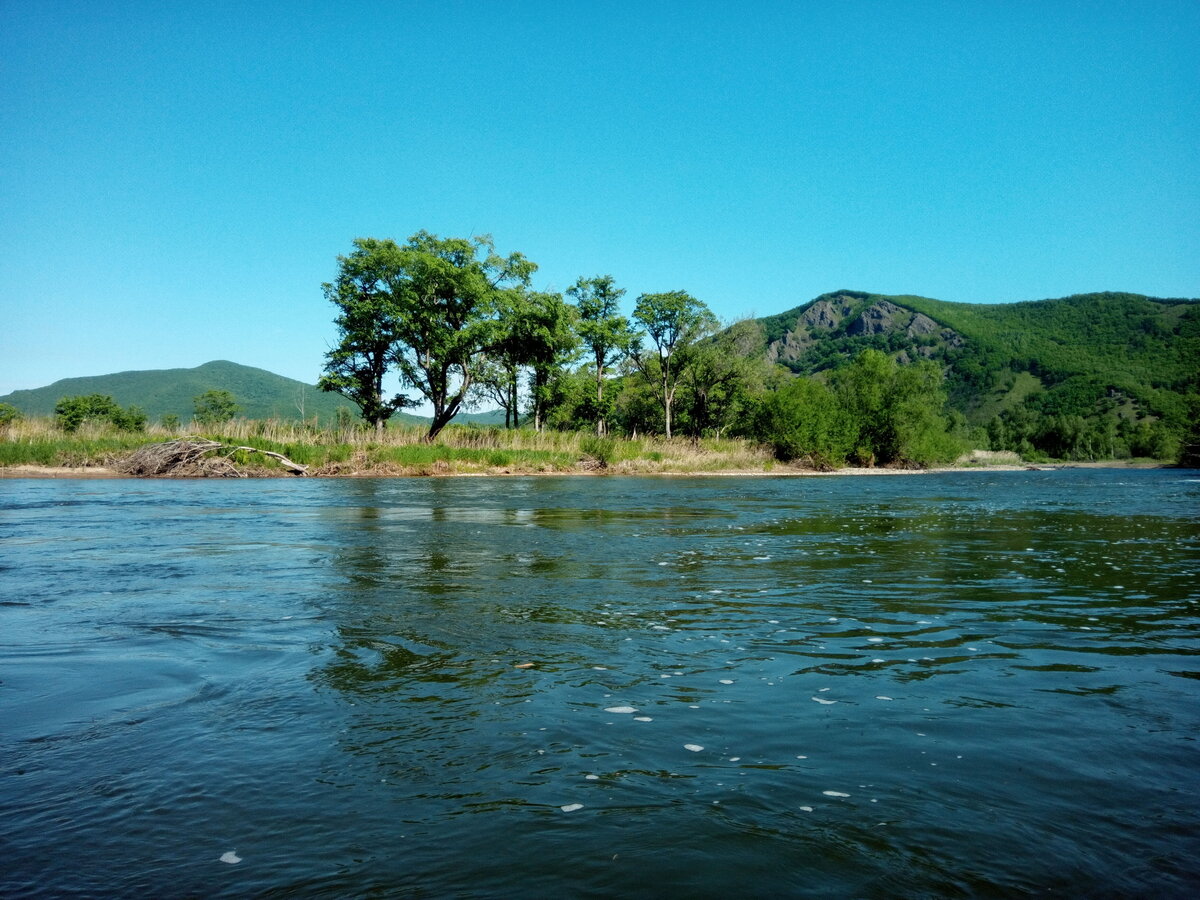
(642, 719)
(695, 748)
(592, 777)
(571, 807)
(881, 697)
(726, 681)
(620, 709)
(229, 856)
(806, 809)
(824, 702)
(875, 640)
(834, 794)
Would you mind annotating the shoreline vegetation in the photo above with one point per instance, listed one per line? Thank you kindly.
(37, 448)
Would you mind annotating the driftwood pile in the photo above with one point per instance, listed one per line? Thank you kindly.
(194, 458)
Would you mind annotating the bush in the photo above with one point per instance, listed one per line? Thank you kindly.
(803, 420)
(9, 414)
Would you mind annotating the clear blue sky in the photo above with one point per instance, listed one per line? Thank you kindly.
(177, 179)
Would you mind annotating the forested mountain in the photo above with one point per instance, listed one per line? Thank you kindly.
(1121, 365)
(161, 392)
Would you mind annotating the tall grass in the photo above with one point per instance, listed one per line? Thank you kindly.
(397, 450)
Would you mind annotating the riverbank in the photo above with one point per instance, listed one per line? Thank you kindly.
(81, 472)
(35, 449)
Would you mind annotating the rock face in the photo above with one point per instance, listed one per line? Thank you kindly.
(827, 314)
(846, 316)
(879, 318)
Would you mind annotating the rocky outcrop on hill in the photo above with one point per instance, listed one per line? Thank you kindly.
(860, 317)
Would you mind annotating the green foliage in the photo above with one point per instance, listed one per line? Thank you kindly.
(898, 411)
(71, 413)
(535, 332)
(724, 381)
(170, 421)
(214, 406)
(1189, 445)
(675, 322)
(428, 308)
(805, 421)
(9, 414)
(875, 413)
(603, 331)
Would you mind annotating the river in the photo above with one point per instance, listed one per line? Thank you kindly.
(961, 684)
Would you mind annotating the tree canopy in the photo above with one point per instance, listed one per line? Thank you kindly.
(428, 308)
(603, 330)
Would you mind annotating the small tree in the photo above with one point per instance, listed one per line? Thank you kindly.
(675, 322)
(214, 407)
(9, 414)
(603, 330)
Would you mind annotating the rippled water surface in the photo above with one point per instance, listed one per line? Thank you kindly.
(931, 685)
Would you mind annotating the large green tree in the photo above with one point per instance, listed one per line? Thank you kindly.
(803, 420)
(605, 333)
(368, 324)
(73, 412)
(430, 310)
(675, 322)
(450, 292)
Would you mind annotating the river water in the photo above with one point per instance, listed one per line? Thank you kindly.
(969, 684)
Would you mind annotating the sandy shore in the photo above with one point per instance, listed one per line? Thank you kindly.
(58, 472)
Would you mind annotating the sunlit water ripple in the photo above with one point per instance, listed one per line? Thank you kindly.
(933, 685)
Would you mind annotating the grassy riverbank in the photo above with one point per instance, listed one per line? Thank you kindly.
(37, 447)
(459, 450)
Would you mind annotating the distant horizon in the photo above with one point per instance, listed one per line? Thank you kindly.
(179, 180)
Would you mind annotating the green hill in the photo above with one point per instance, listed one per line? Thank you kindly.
(1111, 362)
(259, 393)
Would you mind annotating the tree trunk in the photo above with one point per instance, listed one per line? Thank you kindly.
(601, 425)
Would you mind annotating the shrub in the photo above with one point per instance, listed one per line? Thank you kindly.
(72, 412)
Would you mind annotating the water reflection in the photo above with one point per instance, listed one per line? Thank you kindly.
(497, 687)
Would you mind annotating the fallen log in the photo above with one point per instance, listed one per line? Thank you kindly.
(193, 457)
